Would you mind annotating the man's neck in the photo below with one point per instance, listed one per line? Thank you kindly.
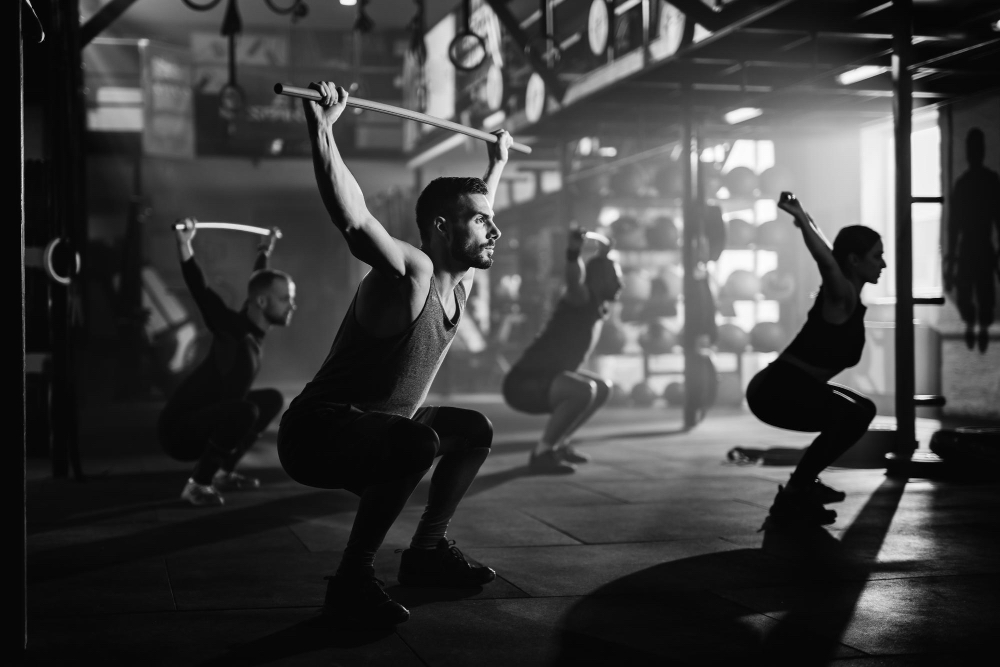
(446, 273)
(257, 318)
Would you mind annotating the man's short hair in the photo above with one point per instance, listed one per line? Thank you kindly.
(440, 197)
(262, 280)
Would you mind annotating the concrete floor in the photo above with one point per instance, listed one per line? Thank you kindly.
(649, 555)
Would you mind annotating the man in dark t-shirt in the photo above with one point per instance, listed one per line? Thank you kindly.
(213, 416)
(360, 424)
(547, 379)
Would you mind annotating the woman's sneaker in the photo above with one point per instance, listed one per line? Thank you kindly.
(358, 599)
(445, 565)
(569, 454)
(550, 463)
(825, 494)
(800, 508)
(201, 495)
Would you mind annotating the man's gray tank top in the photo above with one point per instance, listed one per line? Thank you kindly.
(391, 375)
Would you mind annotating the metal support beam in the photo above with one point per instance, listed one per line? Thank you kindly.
(842, 35)
(100, 21)
(902, 112)
(553, 85)
(688, 235)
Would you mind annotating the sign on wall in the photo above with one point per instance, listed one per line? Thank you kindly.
(168, 109)
(270, 125)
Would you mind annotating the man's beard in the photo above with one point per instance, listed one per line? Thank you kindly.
(471, 254)
(277, 320)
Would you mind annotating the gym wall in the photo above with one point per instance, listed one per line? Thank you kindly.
(970, 376)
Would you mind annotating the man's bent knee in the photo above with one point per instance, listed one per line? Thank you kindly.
(481, 431)
(412, 446)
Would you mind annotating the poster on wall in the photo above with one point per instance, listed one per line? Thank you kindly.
(168, 109)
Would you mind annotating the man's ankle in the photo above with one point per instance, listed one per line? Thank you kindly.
(424, 543)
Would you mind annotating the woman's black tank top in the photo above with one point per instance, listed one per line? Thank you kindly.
(831, 346)
(566, 341)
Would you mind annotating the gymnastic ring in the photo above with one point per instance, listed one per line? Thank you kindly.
(201, 7)
(283, 11)
(459, 50)
(50, 269)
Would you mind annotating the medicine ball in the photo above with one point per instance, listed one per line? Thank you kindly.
(662, 234)
(767, 337)
(777, 285)
(739, 233)
(741, 182)
(732, 338)
(657, 339)
(774, 234)
(742, 284)
(775, 180)
(673, 393)
(643, 395)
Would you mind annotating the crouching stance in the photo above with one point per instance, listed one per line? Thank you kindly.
(213, 416)
(795, 392)
(359, 424)
(547, 379)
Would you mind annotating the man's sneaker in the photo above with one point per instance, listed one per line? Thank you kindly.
(234, 481)
(444, 565)
(569, 454)
(550, 463)
(825, 494)
(201, 495)
(800, 508)
(359, 600)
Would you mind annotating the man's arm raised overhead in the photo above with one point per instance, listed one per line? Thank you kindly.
(344, 200)
(497, 161)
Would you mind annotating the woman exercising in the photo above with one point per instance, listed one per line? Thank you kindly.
(547, 379)
(795, 391)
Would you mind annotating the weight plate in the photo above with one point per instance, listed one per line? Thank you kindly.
(534, 98)
(597, 27)
(494, 88)
(671, 28)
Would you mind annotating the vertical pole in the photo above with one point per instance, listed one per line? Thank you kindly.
(20, 597)
(645, 32)
(688, 262)
(902, 84)
(65, 130)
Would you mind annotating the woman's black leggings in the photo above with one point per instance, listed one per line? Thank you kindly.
(785, 396)
(381, 458)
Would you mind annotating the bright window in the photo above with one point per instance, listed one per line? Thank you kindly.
(878, 204)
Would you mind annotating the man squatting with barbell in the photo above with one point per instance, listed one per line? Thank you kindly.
(213, 416)
(360, 425)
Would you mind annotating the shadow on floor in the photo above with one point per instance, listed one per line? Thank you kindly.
(212, 527)
(314, 634)
(61, 505)
(677, 610)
